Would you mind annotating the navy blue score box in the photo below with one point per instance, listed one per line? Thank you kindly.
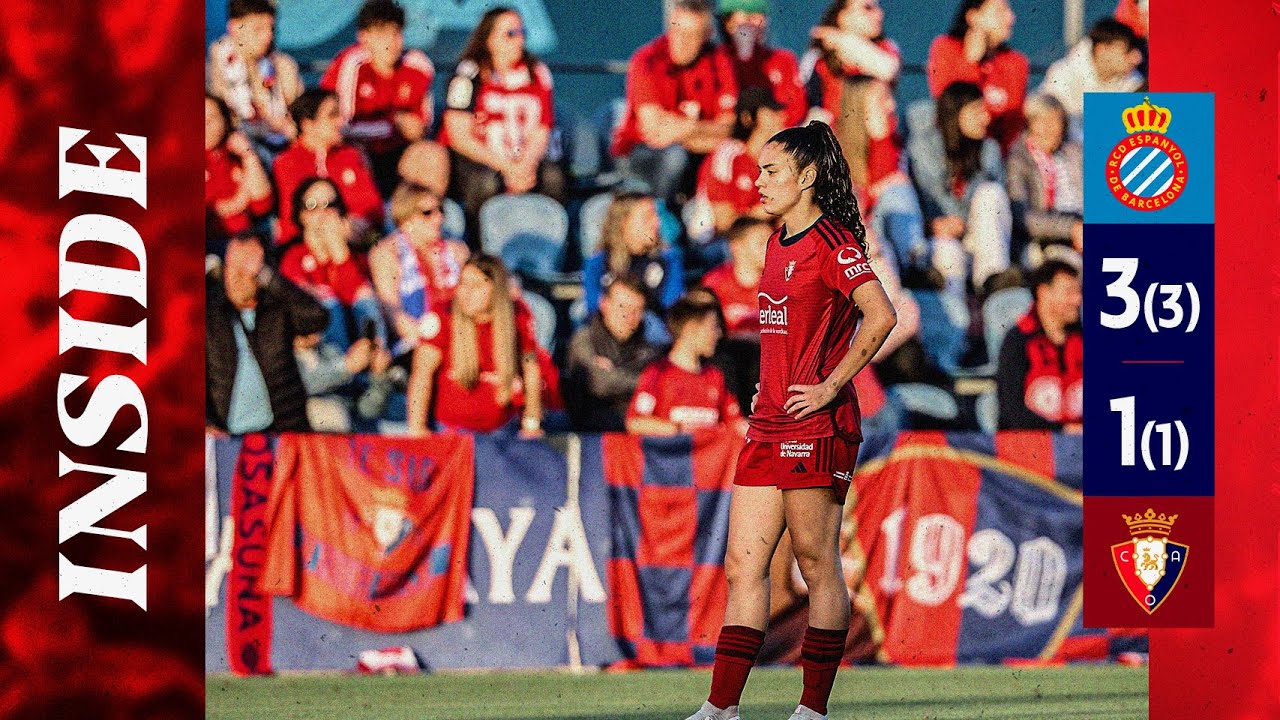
(1148, 328)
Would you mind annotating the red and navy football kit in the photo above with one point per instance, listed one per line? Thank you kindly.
(807, 322)
(369, 102)
(505, 107)
(703, 90)
(691, 400)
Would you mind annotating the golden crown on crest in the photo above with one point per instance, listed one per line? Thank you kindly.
(1146, 118)
(1149, 523)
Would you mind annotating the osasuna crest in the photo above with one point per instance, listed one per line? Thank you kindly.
(1149, 563)
(791, 268)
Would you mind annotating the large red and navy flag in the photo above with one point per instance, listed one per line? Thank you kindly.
(669, 502)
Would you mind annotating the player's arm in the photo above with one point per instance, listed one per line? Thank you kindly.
(879, 319)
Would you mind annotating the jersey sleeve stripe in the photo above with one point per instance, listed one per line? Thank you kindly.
(827, 234)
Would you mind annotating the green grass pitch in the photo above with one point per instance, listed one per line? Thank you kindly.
(1102, 692)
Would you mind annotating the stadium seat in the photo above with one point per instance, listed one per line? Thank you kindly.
(455, 221)
(544, 319)
(944, 322)
(527, 231)
(927, 400)
(999, 313)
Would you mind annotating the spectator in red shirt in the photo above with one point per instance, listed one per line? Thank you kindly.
(499, 116)
(727, 178)
(1040, 375)
(322, 264)
(384, 95)
(745, 26)
(255, 80)
(1135, 14)
(848, 42)
(237, 190)
(681, 93)
(413, 269)
(320, 152)
(478, 363)
(679, 393)
(736, 282)
(976, 50)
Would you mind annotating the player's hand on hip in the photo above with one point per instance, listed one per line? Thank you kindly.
(808, 399)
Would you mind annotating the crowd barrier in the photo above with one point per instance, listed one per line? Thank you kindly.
(607, 550)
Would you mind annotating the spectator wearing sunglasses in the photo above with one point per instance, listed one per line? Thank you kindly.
(499, 116)
(322, 264)
(414, 269)
(384, 96)
(320, 151)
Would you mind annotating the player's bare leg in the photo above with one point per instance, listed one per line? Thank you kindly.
(813, 519)
(755, 526)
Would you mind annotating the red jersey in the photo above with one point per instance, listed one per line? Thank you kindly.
(776, 70)
(505, 107)
(1054, 384)
(704, 89)
(827, 84)
(1002, 77)
(692, 401)
(807, 320)
(476, 409)
(222, 178)
(341, 281)
(739, 302)
(369, 101)
(344, 165)
(728, 175)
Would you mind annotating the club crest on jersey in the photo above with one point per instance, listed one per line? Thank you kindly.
(1149, 562)
(1146, 170)
(789, 271)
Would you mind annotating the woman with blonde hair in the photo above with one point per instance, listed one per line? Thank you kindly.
(630, 245)
(477, 365)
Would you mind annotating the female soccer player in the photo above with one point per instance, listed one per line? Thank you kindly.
(795, 469)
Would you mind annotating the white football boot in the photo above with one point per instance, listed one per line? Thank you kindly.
(711, 712)
(804, 713)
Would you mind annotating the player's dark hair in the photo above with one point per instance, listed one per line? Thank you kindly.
(815, 145)
(687, 309)
(743, 225)
(307, 105)
(380, 12)
(1047, 271)
(237, 9)
(964, 154)
(960, 23)
(338, 203)
(228, 120)
(477, 48)
(1109, 30)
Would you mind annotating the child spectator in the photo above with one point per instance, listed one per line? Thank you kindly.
(630, 245)
(1040, 375)
(413, 268)
(1106, 61)
(328, 373)
(736, 282)
(319, 151)
(237, 190)
(848, 42)
(727, 178)
(745, 26)
(254, 79)
(678, 393)
(1046, 180)
(499, 116)
(252, 317)
(960, 176)
(606, 357)
(976, 50)
(477, 364)
(384, 96)
(681, 93)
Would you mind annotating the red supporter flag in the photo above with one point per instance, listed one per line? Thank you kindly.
(371, 532)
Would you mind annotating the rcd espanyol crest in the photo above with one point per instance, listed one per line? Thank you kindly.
(1149, 563)
(1147, 170)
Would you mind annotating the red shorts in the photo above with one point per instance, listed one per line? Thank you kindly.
(795, 464)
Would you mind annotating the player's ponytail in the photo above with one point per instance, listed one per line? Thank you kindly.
(816, 145)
